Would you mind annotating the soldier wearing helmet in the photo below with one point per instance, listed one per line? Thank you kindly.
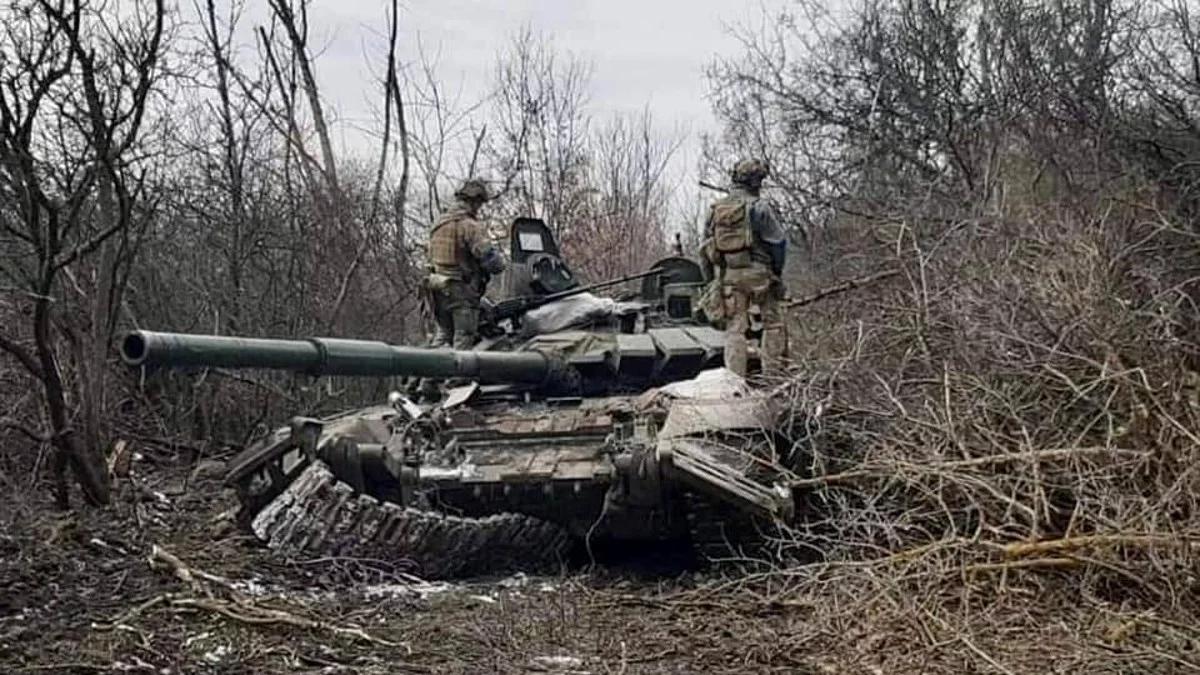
(463, 257)
(746, 248)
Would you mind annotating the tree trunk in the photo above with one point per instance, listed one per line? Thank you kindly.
(86, 461)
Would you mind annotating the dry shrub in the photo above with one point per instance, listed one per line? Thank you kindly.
(1003, 444)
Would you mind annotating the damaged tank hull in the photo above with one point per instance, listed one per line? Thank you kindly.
(497, 482)
(611, 423)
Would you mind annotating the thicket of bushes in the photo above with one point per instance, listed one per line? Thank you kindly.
(1004, 461)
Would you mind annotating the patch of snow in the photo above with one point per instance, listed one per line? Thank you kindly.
(418, 588)
(518, 580)
(253, 587)
(557, 663)
(217, 655)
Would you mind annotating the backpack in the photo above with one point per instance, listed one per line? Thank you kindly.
(731, 225)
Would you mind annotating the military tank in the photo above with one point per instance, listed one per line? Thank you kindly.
(585, 422)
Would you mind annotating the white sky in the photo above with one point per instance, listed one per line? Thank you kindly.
(644, 52)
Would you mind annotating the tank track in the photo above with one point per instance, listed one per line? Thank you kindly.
(317, 514)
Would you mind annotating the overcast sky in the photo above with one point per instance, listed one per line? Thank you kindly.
(643, 51)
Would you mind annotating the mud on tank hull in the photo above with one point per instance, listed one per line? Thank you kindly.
(502, 483)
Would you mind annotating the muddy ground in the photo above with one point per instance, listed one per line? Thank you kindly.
(160, 582)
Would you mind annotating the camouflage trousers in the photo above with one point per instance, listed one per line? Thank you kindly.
(743, 288)
(455, 305)
(455, 308)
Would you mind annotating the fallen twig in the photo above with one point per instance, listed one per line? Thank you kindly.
(134, 612)
(182, 572)
(1033, 563)
(237, 607)
(185, 573)
(983, 655)
(1074, 543)
(250, 614)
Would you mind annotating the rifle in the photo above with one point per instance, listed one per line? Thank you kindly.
(514, 307)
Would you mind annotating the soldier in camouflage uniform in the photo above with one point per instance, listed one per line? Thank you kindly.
(746, 246)
(463, 257)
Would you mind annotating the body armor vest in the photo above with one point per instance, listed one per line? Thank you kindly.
(446, 247)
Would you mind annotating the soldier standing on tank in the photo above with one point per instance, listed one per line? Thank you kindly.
(463, 257)
(746, 246)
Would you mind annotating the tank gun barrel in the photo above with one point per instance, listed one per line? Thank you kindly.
(334, 356)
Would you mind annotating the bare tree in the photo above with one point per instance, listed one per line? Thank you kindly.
(543, 130)
(621, 228)
(250, 236)
(445, 133)
(75, 86)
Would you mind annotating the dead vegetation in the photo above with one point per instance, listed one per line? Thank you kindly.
(1002, 466)
(1002, 436)
(996, 397)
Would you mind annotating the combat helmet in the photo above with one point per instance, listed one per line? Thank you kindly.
(749, 172)
(473, 190)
